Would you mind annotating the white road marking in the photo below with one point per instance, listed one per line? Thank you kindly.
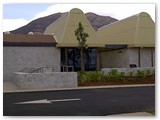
(45, 101)
(35, 102)
(65, 100)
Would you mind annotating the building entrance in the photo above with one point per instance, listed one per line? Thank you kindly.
(71, 57)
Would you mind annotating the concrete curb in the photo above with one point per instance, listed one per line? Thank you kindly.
(139, 114)
(77, 88)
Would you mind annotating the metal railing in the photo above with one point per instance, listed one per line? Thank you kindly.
(27, 70)
(65, 68)
(43, 69)
(37, 70)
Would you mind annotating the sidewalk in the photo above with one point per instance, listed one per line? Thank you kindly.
(134, 114)
(10, 87)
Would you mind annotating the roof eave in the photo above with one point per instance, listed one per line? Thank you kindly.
(141, 45)
(76, 45)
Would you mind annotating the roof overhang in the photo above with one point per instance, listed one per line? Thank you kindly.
(140, 45)
(115, 46)
(27, 44)
(76, 45)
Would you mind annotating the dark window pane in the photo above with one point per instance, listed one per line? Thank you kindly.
(74, 58)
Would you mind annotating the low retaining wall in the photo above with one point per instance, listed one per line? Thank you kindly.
(128, 71)
(46, 80)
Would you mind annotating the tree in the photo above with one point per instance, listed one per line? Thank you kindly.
(81, 37)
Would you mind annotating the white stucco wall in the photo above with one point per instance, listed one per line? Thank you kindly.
(18, 58)
(124, 57)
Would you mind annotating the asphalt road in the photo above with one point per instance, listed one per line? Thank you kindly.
(91, 102)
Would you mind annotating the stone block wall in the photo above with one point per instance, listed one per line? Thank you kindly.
(46, 80)
(18, 58)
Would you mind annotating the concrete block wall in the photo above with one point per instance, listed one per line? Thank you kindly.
(18, 58)
(145, 57)
(122, 58)
(114, 58)
(46, 80)
(133, 56)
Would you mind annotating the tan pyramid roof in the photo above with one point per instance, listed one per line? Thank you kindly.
(64, 30)
(134, 31)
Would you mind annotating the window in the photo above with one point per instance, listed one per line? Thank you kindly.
(73, 58)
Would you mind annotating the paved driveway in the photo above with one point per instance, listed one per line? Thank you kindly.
(88, 102)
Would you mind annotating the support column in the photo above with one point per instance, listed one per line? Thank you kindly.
(139, 57)
(97, 60)
(152, 57)
(65, 63)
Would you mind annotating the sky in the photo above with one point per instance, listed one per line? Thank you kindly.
(17, 15)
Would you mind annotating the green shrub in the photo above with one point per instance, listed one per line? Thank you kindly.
(113, 74)
(153, 73)
(148, 72)
(131, 73)
(94, 76)
(141, 74)
(102, 75)
(121, 75)
(107, 77)
(83, 79)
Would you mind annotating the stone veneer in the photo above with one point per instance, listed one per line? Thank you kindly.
(18, 58)
(48, 80)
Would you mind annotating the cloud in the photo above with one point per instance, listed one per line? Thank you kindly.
(12, 24)
(119, 11)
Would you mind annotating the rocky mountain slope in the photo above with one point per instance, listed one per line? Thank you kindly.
(38, 26)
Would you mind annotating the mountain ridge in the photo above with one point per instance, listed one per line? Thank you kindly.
(39, 25)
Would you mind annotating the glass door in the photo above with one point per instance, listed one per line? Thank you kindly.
(74, 59)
